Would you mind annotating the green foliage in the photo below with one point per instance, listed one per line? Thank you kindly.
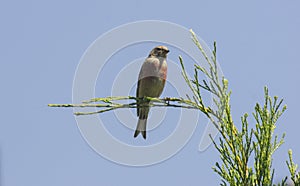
(295, 176)
(246, 154)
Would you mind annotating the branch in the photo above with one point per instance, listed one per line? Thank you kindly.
(110, 103)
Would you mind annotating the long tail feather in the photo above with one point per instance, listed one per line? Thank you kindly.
(141, 128)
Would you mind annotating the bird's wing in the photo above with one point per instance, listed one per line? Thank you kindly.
(143, 73)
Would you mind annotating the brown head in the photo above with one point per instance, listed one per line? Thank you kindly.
(159, 51)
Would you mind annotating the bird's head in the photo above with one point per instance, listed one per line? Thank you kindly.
(159, 51)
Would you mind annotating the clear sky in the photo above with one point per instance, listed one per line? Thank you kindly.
(41, 46)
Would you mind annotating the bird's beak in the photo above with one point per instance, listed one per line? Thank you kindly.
(167, 51)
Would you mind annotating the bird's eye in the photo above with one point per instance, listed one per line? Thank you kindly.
(159, 49)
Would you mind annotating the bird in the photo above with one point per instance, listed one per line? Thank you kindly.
(151, 82)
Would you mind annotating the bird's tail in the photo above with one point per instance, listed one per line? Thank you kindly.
(141, 128)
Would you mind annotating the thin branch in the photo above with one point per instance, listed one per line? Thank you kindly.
(109, 103)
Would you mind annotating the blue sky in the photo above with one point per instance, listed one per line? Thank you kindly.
(41, 46)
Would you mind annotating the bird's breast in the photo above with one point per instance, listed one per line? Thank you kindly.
(154, 67)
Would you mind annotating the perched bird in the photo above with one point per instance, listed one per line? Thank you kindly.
(151, 83)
